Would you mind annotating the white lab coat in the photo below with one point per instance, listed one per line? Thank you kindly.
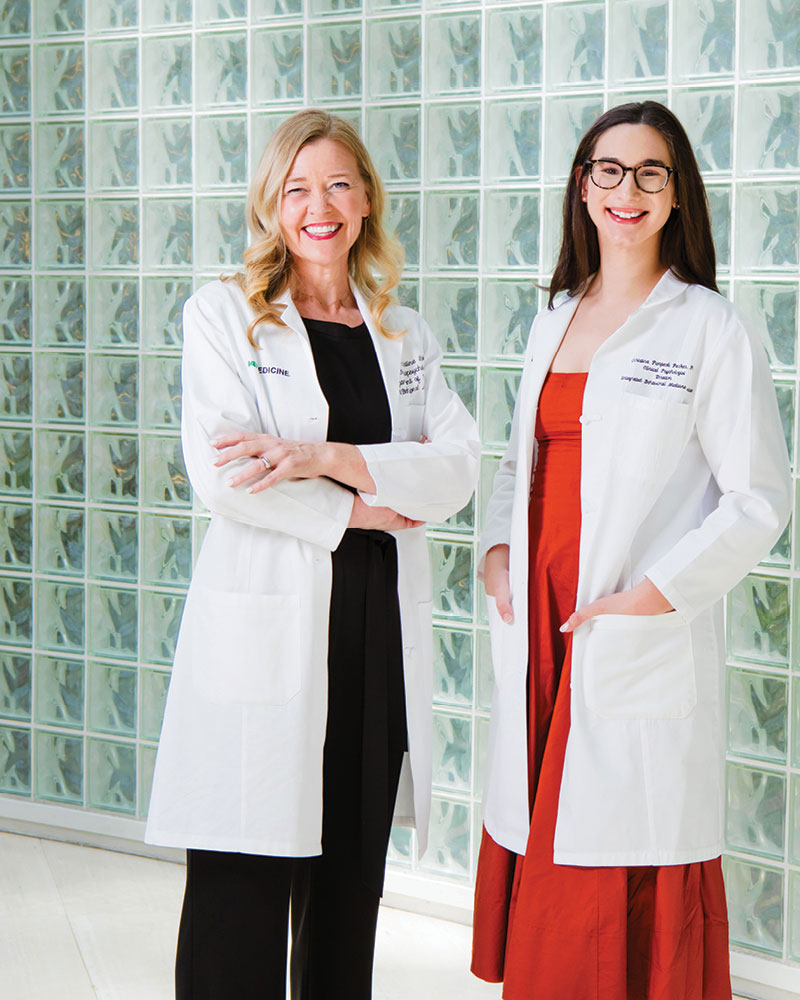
(685, 480)
(239, 764)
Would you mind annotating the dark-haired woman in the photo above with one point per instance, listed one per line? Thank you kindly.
(646, 474)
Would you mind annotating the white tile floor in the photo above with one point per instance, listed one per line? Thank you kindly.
(77, 923)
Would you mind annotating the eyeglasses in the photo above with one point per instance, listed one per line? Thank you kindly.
(649, 177)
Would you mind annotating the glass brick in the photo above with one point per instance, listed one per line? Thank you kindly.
(221, 233)
(113, 622)
(60, 616)
(221, 66)
(769, 132)
(404, 222)
(61, 234)
(111, 775)
(221, 152)
(167, 72)
(113, 75)
(277, 73)
(452, 229)
(451, 309)
(220, 10)
(167, 550)
(60, 79)
(703, 37)
(794, 911)
(794, 821)
(167, 13)
(15, 761)
(755, 905)
(16, 536)
(162, 311)
(59, 768)
(15, 85)
(15, 234)
(154, 688)
(59, 692)
(15, 158)
(407, 294)
(335, 64)
(514, 39)
(795, 729)
(509, 308)
(321, 7)
(758, 620)
(463, 381)
(781, 552)
(15, 19)
(453, 54)
(115, 312)
(166, 483)
(452, 667)
(772, 309)
(566, 121)
(60, 540)
(114, 475)
(707, 116)
(454, 142)
(719, 201)
(16, 612)
(163, 613)
(481, 740)
(15, 387)
(161, 392)
(15, 686)
(449, 849)
(147, 765)
(60, 387)
(577, 32)
(60, 465)
(15, 462)
(168, 233)
(512, 241)
(112, 699)
(756, 811)
(757, 722)
(400, 851)
(639, 30)
(113, 15)
(452, 752)
(114, 162)
(498, 394)
(513, 140)
(115, 234)
(392, 5)
(114, 389)
(15, 310)
(113, 545)
(393, 138)
(785, 393)
(484, 672)
(60, 158)
(60, 312)
(767, 226)
(55, 17)
(772, 32)
(452, 579)
(262, 128)
(394, 57)
(168, 163)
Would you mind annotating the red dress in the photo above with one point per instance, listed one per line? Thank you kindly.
(558, 932)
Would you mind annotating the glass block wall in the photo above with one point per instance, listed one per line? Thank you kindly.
(127, 133)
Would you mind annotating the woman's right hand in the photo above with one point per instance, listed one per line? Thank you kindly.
(496, 580)
(379, 518)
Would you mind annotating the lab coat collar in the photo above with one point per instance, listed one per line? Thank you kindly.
(668, 286)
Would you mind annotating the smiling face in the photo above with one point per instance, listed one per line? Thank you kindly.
(323, 205)
(626, 217)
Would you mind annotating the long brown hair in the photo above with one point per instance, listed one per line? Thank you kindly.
(376, 259)
(686, 242)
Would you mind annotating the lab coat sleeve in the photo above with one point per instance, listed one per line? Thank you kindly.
(216, 402)
(428, 481)
(739, 428)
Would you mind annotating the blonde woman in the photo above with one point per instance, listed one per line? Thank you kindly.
(320, 432)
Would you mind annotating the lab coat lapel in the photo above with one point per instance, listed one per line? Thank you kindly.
(388, 351)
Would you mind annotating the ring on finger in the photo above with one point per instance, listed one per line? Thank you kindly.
(267, 463)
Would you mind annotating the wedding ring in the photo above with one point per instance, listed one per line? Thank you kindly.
(267, 463)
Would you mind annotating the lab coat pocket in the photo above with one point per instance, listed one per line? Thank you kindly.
(639, 667)
(651, 435)
(244, 648)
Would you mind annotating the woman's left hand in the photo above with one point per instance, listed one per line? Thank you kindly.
(277, 457)
(643, 599)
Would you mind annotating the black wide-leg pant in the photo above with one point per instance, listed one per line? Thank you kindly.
(232, 942)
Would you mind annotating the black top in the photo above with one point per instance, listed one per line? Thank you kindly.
(350, 377)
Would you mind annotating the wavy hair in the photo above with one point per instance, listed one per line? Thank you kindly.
(376, 259)
(687, 246)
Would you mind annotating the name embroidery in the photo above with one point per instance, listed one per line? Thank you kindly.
(268, 369)
(412, 375)
(662, 374)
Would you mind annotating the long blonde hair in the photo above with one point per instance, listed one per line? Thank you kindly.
(376, 259)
